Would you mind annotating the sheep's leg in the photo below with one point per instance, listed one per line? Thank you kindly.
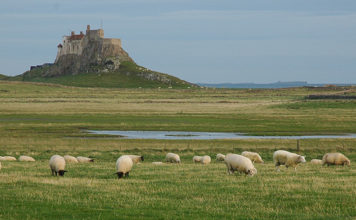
(52, 172)
(277, 166)
(228, 169)
(127, 174)
(56, 173)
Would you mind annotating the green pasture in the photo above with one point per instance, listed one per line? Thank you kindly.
(41, 120)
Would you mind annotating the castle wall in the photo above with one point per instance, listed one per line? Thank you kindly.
(72, 46)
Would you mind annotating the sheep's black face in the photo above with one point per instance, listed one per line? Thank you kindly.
(120, 175)
(61, 172)
(142, 158)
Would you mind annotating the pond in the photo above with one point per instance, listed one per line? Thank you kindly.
(185, 135)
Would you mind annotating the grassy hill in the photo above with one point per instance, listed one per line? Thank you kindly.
(130, 75)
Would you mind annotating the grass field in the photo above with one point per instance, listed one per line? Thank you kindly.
(40, 120)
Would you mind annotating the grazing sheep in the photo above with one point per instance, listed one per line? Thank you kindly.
(136, 158)
(157, 163)
(205, 159)
(70, 159)
(7, 158)
(85, 159)
(335, 159)
(172, 158)
(26, 159)
(57, 165)
(197, 159)
(220, 157)
(235, 162)
(123, 166)
(316, 161)
(254, 157)
(282, 157)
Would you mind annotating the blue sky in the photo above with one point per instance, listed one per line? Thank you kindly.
(199, 40)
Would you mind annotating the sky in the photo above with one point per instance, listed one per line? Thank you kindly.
(207, 41)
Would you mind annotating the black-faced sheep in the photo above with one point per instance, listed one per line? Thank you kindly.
(57, 165)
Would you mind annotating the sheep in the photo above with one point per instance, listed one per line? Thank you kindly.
(84, 159)
(26, 159)
(197, 159)
(123, 166)
(70, 159)
(335, 159)
(172, 158)
(254, 157)
(7, 158)
(220, 157)
(235, 162)
(205, 159)
(282, 157)
(57, 165)
(136, 159)
(316, 161)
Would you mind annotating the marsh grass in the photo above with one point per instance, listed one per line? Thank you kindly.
(40, 120)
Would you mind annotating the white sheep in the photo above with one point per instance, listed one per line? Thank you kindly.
(7, 158)
(84, 159)
(136, 158)
(205, 159)
(220, 157)
(57, 165)
(282, 157)
(235, 162)
(26, 159)
(316, 161)
(172, 158)
(123, 166)
(70, 159)
(335, 159)
(197, 159)
(253, 156)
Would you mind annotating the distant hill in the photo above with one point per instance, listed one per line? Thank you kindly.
(268, 85)
(90, 60)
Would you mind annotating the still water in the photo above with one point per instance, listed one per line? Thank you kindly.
(185, 135)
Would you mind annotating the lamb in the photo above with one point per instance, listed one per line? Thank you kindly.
(7, 158)
(220, 157)
(26, 159)
(235, 162)
(70, 159)
(335, 159)
(316, 161)
(205, 159)
(84, 159)
(172, 158)
(123, 166)
(254, 157)
(57, 165)
(136, 158)
(197, 159)
(282, 157)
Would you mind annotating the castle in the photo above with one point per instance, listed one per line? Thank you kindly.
(76, 43)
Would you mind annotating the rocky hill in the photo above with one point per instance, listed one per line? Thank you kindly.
(91, 60)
